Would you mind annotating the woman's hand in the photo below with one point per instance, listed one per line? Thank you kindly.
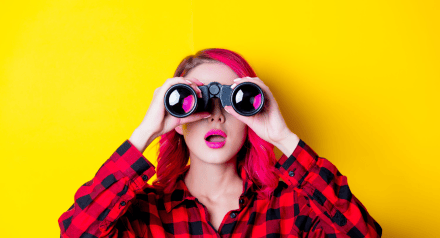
(268, 124)
(158, 121)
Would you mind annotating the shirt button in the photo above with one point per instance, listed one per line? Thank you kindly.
(291, 173)
(233, 215)
(144, 177)
(241, 201)
(122, 203)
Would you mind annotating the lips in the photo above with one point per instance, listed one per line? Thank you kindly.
(215, 139)
(215, 135)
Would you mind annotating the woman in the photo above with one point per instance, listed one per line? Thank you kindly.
(228, 190)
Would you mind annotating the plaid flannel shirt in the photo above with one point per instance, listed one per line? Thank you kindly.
(314, 201)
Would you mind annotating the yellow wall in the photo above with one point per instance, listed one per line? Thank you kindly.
(357, 81)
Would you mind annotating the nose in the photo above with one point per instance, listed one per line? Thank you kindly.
(217, 114)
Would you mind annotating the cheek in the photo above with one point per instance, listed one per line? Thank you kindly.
(239, 127)
(241, 132)
(245, 130)
(190, 131)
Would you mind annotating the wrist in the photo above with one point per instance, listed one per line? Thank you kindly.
(288, 144)
(141, 139)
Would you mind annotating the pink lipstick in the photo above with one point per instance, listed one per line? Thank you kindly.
(215, 138)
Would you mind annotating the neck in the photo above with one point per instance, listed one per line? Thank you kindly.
(213, 181)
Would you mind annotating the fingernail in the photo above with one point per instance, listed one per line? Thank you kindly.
(208, 116)
(235, 80)
(233, 85)
(188, 81)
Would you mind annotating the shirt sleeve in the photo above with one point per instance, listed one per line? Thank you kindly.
(100, 202)
(338, 212)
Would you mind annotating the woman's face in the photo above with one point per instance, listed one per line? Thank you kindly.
(194, 132)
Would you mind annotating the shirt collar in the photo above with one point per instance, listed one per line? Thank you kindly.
(180, 193)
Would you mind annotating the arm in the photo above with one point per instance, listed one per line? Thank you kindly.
(337, 210)
(100, 202)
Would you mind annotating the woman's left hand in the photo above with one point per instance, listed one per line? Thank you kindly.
(268, 124)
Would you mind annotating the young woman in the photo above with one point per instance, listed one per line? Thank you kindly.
(231, 190)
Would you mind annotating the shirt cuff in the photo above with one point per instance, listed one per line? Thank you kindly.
(295, 168)
(130, 161)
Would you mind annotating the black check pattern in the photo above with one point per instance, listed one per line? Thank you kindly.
(313, 200)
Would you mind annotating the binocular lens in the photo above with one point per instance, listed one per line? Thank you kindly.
(181, 100)
(247, 99)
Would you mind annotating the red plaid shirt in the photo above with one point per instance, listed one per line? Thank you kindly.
(314, 201)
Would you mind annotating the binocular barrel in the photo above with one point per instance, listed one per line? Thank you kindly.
(181, 100)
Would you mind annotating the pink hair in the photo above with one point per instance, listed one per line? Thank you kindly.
(256, 154)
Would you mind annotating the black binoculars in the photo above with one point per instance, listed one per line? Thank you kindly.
(246, 98)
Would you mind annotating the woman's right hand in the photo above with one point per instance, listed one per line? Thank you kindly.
(158, 121)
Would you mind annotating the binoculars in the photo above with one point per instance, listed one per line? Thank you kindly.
(246, 98)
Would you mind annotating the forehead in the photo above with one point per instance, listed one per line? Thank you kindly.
(210, 72)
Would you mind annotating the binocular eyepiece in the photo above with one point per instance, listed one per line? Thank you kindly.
(246, 98)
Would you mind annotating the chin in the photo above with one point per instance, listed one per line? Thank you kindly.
(217, 158)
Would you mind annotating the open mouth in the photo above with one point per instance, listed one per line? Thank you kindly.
(215, 141)
(215, 138)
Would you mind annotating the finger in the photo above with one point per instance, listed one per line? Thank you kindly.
(242, 80)
(257, 82)
(198, 91)
(198, 84)
(250, 78)
(255, 78)
(188, 82)
(195, 117)
(196, 81)
(173, 81)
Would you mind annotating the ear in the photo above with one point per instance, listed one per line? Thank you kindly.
(179, 129)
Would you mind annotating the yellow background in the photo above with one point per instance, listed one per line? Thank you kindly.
(357, 81)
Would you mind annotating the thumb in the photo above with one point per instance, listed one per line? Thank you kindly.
(194, 117)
